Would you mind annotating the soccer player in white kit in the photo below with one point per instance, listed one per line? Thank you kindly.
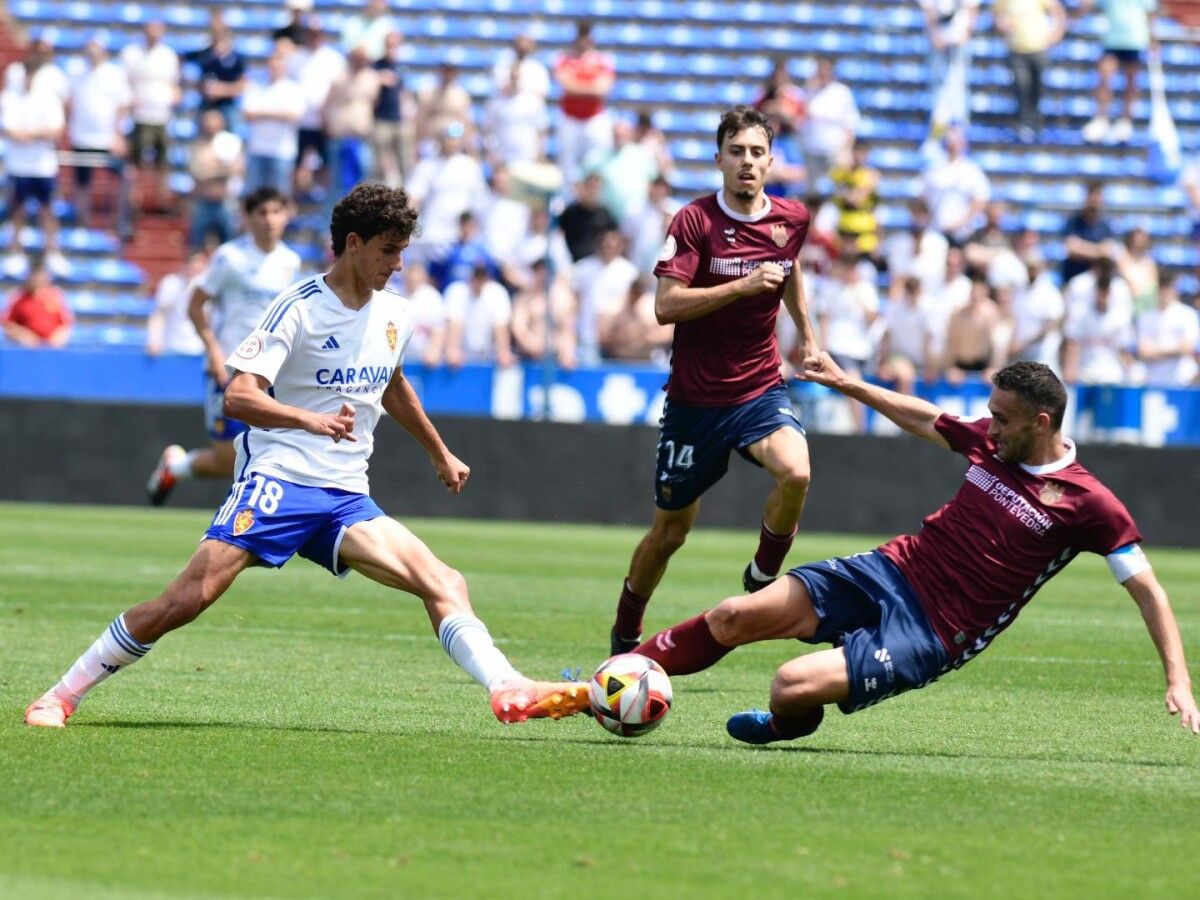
(310, 382)
(242, 279)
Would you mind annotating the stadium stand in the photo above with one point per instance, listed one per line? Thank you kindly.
(684, 60)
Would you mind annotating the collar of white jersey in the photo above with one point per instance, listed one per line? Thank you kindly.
(1058, 465)
(742, 217)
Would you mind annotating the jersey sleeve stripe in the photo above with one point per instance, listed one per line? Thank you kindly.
(288, 304)
(306, 289)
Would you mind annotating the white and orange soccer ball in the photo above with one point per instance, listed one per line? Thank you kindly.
(630, 694)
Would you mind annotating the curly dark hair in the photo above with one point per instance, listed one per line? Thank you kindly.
(740, 117)
(369, 210)
(1037, 386)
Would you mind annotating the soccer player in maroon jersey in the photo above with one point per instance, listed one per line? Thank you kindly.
(904, 614)
(728, 261)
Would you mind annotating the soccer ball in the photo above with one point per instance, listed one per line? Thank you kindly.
(630, 694)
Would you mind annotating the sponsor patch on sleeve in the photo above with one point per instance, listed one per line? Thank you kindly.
(669, 249)
(250, 347)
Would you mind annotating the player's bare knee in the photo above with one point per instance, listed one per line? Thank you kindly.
(729, 622)
(795, 479)
(670, 537)
(449, 589)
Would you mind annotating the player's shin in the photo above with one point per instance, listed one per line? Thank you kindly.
(115, 649)
(685, 648)
(468, 642)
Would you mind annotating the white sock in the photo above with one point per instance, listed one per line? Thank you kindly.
(113, 650)
(758, 574)
(470, 645)
(182, 467)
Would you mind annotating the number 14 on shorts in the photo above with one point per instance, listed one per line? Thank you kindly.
(676, 458)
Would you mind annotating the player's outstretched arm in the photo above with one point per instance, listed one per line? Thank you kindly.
(1152, 600)
(400, 402)
(675, 302)
(914, 415)
(247, 400)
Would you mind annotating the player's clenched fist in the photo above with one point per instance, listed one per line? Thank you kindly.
(338, 426)
(763, 280)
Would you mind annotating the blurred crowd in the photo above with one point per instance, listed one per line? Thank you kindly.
(541, 219)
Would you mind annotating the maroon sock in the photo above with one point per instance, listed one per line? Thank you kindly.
(789, 727)
(686, 648)
(630, 609)
(772, 548)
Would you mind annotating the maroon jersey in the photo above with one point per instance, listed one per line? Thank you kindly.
(731, 355)
(980, 558)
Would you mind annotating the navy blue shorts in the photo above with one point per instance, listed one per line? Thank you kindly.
(220, 427)
(865, 606)
(275, 519)
(694, 442)
(1125, 57)
(31, 188)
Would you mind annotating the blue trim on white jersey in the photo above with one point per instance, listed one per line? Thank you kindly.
(275, 304)
(246, 447)
(275, 315)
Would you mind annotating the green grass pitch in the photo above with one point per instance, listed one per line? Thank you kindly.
(308, 738)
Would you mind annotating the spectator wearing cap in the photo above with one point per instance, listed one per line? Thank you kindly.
(443, 106)
(519, 63)
(393, 135)
(956, 189)
(315, 66)
(368, 30)
(38, 315)
(32, 124)
(443, 187)
(586, 77)
(216, 163)
(154, 77)
(273, 112)
(100, 98)
(478, 321)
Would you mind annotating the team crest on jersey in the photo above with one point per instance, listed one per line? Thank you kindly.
(1050, 493)
(779, 235)
(392, 336)
(250, 347)
(242, 522)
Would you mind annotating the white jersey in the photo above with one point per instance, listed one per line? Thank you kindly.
(318, 353)
(242, 281)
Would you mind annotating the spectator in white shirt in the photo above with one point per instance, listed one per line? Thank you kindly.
(1099, 329)
(1168, 337)
(478, 317)
(427, 344)
(154, 78)
(100, 99)
(443, 187)
(38, 62)
(949, 25)
(315, 67)
(169, 328)
(368, 30)
(956, 190)
(601, 282)
(831, 124)
(519, 62)
(1038, 312)
(904, 347)
(32, 125)
(505, 225)
(950, 295)
(920, 250)
(515, 124)
(272, 112)
(646, 230)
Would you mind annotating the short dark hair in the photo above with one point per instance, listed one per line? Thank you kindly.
(740, 118)
(1036, 385)
(262, 195)
(369, 210)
